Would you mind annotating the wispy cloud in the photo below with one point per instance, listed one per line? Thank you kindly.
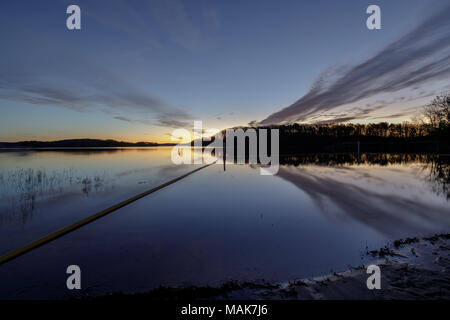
(94, 89)
(174, 20)
(171, 119)
(152, 22)
(417, 58)
(73, 78)
(122, 16)
(211, 18)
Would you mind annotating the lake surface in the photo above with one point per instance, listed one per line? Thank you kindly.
(320, 213)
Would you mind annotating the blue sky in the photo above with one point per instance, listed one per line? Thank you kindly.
(138, 69)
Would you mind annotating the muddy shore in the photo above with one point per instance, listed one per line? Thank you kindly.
(411, 268)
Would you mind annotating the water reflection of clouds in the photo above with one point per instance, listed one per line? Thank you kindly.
(394, 203)
(163, 169)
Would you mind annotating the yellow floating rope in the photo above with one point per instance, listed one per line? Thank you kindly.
(35, 244)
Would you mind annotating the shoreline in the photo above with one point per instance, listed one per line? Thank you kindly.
(411, 269)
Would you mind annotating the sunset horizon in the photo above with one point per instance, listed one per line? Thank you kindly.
(224, 159)
(163, 80)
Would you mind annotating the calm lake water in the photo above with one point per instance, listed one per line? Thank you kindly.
(320, 213)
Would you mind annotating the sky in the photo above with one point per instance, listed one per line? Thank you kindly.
(138, 69)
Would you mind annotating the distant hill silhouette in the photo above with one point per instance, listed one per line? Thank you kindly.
(79, 143)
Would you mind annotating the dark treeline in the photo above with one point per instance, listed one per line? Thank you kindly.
(428, 133)
(405, 130)
(373, 137)
(77, 143)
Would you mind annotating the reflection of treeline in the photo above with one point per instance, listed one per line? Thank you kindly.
(382, 159)
(435, 166)
(439, 176)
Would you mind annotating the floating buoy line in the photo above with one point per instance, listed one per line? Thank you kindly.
(35, 244)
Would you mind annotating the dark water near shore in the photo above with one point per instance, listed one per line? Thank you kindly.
(319, 213)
